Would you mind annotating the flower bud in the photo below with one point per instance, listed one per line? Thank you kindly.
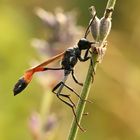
(105, 25)
(95, 24)
(95, 28)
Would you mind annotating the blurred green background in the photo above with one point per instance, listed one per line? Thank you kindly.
(115, 113)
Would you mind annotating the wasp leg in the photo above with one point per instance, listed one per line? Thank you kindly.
(74, 78)
(86, 57)
(76, 93)
(67, 103)
(93, 69)
(85, 114)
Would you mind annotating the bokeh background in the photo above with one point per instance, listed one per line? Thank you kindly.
(115, 112)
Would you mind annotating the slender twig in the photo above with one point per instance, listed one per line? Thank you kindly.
(86, 88)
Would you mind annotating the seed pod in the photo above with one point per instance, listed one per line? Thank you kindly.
(94, 28)
(105, 25)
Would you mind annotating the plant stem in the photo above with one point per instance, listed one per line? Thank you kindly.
(81, 104)
(111, 3)
(86, 88)
(44, 111)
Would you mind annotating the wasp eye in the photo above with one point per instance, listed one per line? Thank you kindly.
(20, 86)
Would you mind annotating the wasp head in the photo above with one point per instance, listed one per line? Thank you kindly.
(84, 44)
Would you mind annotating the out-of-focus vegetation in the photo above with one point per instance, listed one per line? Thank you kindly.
(115, 113)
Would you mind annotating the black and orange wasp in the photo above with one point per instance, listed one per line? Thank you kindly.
(68, 58)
